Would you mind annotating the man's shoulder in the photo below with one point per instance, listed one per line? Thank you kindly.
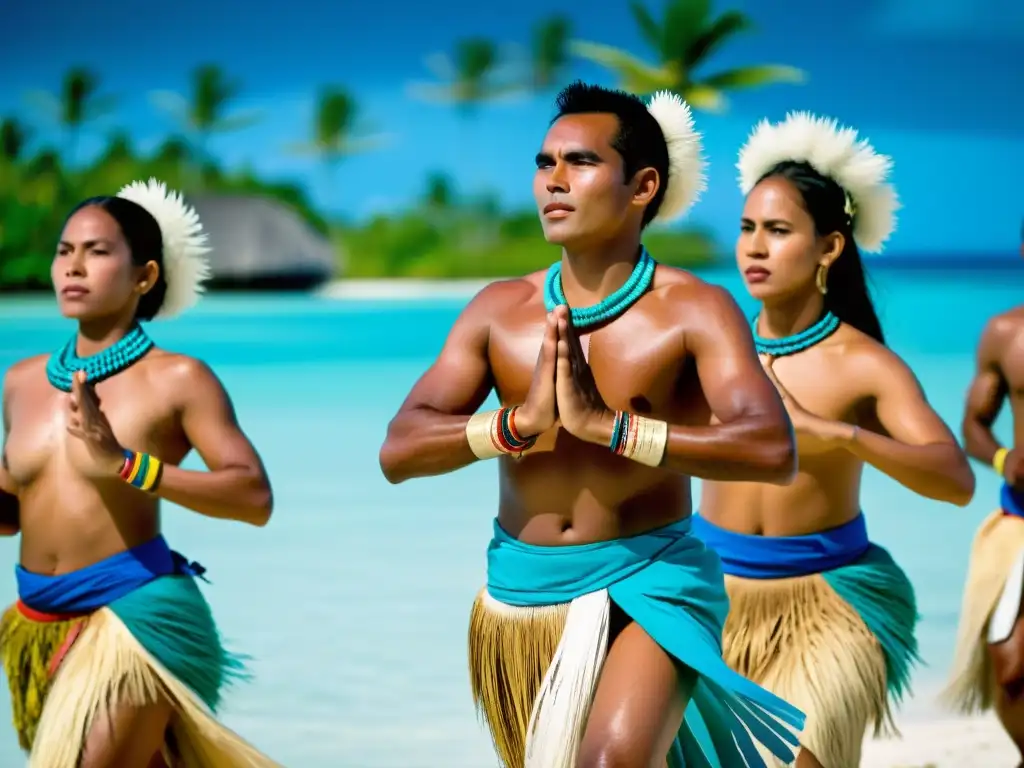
(1006, 324)
(508, 292)
(681, 293)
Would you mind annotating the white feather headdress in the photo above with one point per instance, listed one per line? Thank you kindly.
(185, 266)
(686, 164)
(835, 152)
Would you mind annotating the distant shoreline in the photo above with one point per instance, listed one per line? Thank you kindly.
(413, 289)
(403, 288)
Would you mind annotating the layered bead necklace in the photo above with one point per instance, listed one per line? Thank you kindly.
(65, 363)
(609, 308)
(798, 342)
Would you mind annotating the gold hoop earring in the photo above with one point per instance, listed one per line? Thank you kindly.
(821, 279)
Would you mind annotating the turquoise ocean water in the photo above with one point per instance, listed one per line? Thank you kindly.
(354, 601)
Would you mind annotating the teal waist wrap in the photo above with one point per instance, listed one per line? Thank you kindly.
(863, 574)
(670, 584)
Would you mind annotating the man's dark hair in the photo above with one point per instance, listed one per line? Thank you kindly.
(639, 139)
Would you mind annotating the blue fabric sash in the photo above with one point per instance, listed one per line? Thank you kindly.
(670, 584)
(779, 557)
(1011, 501)
(95, 586)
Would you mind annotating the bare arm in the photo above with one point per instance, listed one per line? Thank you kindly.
(985, 397)
(236, 486)
(10, 522)
(918, 451)
(753, 441)
(428, 434)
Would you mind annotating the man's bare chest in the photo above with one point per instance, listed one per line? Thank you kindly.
(635, 367)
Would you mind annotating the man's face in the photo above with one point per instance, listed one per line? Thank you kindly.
(581, 193)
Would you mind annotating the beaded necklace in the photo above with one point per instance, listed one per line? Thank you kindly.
(798, 342)
(62, 365)
(612, 306)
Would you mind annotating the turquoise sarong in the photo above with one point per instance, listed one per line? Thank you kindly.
(863, 574)
(670, 584)
(61, 640)
(152, 590)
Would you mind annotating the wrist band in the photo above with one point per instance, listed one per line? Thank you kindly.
(493, 433)
(999, 460)
(639, 438)
(142, 471)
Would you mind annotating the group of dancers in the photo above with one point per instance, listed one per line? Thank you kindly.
(621, 623)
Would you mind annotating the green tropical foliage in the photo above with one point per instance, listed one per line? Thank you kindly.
(682, 41)
(446, 234)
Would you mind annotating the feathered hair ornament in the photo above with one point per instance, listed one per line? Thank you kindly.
(686, 164)
(185, 266)
(835, 152)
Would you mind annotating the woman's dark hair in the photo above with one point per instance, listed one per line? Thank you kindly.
(639, 139)
(848, 297)
(145, 242)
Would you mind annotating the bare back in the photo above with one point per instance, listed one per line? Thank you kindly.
(848, 378)
(69, 521)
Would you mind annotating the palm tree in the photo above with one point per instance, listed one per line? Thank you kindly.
(13, 138)
(205, 111)
(475, 74)
(337, 130)
(77, 104)
(683, 41)
(549, 52)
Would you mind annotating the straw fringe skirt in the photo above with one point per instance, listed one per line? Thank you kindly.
(102, 668)
(994, 554)
(799, 639)
(511, 650)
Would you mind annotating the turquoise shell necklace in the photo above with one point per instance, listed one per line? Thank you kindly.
(610, 307)
(798, 342)
(65, 363)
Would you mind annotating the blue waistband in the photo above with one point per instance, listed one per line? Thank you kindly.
(1011, 501)
(100, 584)
(780, 557)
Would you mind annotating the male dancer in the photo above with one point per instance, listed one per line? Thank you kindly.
(111, 652)
(601, 621)
(988, 668)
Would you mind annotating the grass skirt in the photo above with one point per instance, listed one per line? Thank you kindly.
(160, 641)
(838, 645)
(997, 544)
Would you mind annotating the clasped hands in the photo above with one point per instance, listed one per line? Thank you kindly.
(812, 432)
(103, 455)
(563, 390)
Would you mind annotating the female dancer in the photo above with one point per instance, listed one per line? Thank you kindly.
(111, 652)
(819, 615)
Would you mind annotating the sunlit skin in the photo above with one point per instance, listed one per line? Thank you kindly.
(59, 483)
(998, 379)
(849, 380)
(681, 353)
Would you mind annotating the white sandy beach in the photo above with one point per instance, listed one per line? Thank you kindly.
(948, 742)
(934, 738)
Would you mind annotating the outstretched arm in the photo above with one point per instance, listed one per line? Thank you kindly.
(917, 449)
(753, 441)
(428, 434)
(236, 486)
(10, 522)
(986, 396)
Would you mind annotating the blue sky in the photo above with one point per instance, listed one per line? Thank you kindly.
(934, 84)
